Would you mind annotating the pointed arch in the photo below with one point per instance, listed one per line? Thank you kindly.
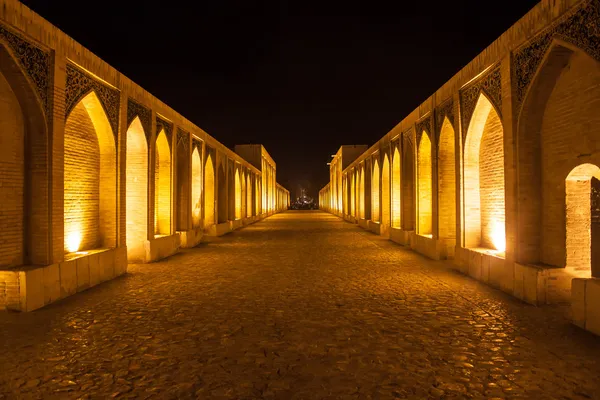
(209, 192)
(447, 182)
(353, 194)
(238, 194)
(222, 206)
(196, 187)
(90, 178)
(385, 193)
(396, 192)
(424, 185)
(162, 186)
(408, 184)
(375, 201)
(23, 167)
(558, 119)
(582, 198)
(249, 195)
(183, 182)
(484, 179)
(136, 186)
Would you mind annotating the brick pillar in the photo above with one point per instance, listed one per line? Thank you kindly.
(57, 140)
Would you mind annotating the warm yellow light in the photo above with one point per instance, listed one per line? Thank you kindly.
(73, 241)
(498, 236)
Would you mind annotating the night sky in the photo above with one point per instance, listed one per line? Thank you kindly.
(300, 77)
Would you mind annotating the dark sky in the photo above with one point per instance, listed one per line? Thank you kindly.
(300, 77)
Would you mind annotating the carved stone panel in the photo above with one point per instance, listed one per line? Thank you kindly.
(491, 85)
(34, 61)
(183, 138)
(144, 114)
(197, 144)
(580, 27)
(168, 128)
(444, 110)
(423, 125)
(79, 84)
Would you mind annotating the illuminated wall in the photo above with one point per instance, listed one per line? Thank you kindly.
(137, 190)
(375, 191)
(223, 206)
(196, 188)
(484, 179)
(12, 176)
(209, 192)
(90, 178)
(582, 201)
(162, 186)
(424, 185)
(446, 182)
(353, 193)
(238, 195)
(396, 194)
(258, 194)
(385, 193)
(408, 185)
(249, 207)
(183, 183)
(361, 193)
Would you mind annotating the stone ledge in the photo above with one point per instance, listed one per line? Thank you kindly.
(219, 229)
(161, 247)
(429, 247)
(375, 227)
(190, 238)
(585, 304)
(236, 224)
(43, 285)
(363, 223)
(484, 266)
(400, 236)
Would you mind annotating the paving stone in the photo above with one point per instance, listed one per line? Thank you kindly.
(299, 306)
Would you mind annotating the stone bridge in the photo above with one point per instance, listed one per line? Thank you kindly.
(95, 172)
(498, 169)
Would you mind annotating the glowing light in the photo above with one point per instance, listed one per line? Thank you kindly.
(498, 236)
(73, 241)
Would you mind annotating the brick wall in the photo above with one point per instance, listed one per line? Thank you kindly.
(249, 194)
(183, 184)
(375, 178)
(162, 185)
(408, 186)
(570, 136)
(196, 188)
(424, 184)
(82, 177)
(209, 192)
(491, 182)
(12, 173)
(396, 193)
(385, 192)
(446, 182)
(136, 186)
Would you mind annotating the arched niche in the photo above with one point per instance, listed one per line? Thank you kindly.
(483, 179)
(447, 182)
(162, 186)
(136, 187)
(90, 178)
(24, 171)
(559, 119)
(424, 185)
(196, 188)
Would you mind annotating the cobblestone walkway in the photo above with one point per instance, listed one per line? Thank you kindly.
(299, 306)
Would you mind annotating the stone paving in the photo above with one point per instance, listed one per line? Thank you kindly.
(299, 306)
